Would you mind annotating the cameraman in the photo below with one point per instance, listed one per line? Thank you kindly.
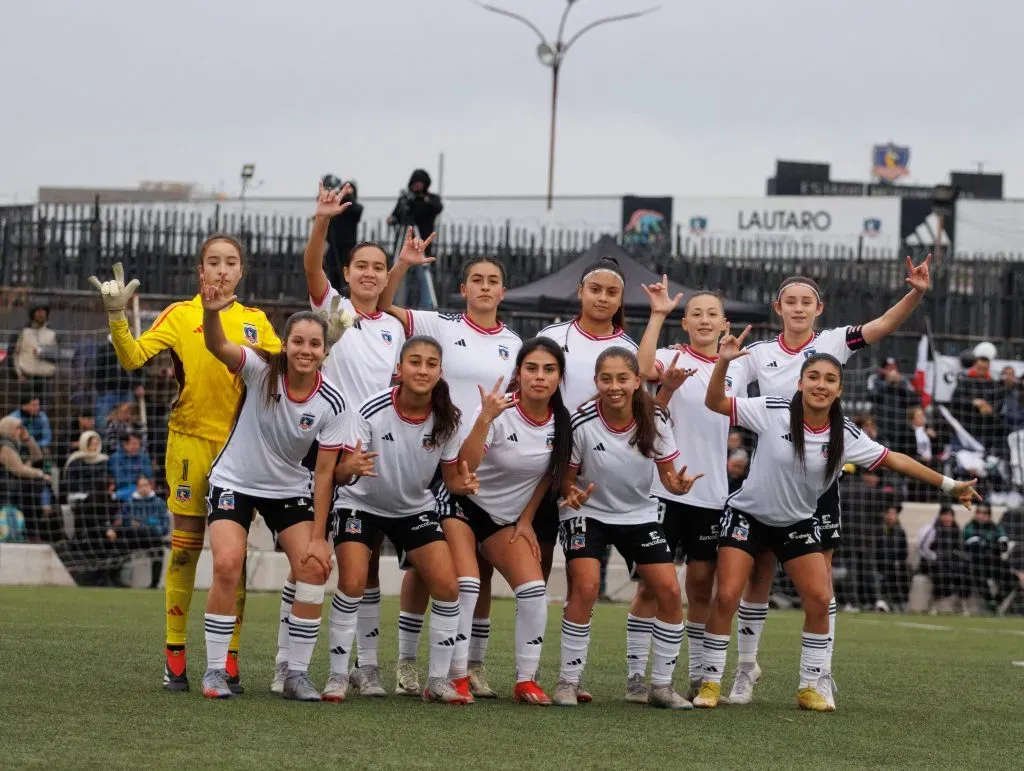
(418, 207)
(342, 236)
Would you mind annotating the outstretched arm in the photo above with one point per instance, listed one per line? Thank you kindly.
(413, 253)
(919, 280)
(907, 466)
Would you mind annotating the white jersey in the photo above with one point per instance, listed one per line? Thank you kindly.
(581, 351)
(622, 477)
(364, 359)
(264, 452)
(516, 458)
(778, 490)
(406, 462)
(701, 435)
(776, 368)
(471, 355)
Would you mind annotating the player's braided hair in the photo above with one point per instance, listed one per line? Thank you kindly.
(835, 417)
(644, 408)
(561, 449)
(446, 414)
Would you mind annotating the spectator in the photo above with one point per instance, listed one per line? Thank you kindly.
(735, 440)
(36, 351)
(342, 235)
(419, 208)
(124, 420)
(87, 469)
(891, 395)
(865, 497)
(986, 545)
(22, 483)
(975, 399)
(891, 561)
(143, 524)
(114, 384)
(922, 449)
(942, 558)
(68, 439)
(127, 464)
(1012, 411)
(736, 468)
(35, 421)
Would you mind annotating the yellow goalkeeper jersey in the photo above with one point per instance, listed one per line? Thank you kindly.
(207, 392)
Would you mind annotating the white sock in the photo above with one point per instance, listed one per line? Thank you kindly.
(666, 640)
(831, 634)
(638, 644)
(716, 646)
(218, 636)
(368, 627)
(531, 620)
(409, 627)
(287, 598)
(695, 647)
(748, 629)
(479, 639)
(302, 634)
(812, 658)
(575, 642)
(444, 628)
(469, 592)
(344, 610)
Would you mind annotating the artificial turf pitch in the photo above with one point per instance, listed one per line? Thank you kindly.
(80, 673)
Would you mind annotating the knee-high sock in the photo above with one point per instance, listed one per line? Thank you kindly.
(479, 639)
(666, 640)
(409, 627)
(218, 633)
(531, 620)
(469, 592)
(831, 635)
(748, 629)
(575, 643)
(444, 628)
(181, 578)
(287, 598)
(638, 644)
(368, 627)
(344, 610)
(812, 658)
(302, 634)
(695, 647)
(716, 646)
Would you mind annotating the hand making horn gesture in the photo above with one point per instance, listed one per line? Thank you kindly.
(358, 463)
(678, 482)
(115, 294)
(213, 299)
(331, 203)
(674, 376)
(414, 250)
(731, 347)
(658, 294)
(466, 483)
(577, 497)
(918, 276)
(496, 402)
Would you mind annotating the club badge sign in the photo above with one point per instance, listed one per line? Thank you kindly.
(889, 162)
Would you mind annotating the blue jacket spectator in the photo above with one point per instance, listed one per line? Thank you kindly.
(129, 463)
(35, 421)
(145, 509)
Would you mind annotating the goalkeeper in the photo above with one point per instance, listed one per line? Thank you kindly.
(199, 424)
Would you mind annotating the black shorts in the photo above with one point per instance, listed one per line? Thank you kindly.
(692, 529)
(545, 521)
(479, 521)
(744, 532)
(828, 516)
(638, 544)
(406, 533)
(278, 513)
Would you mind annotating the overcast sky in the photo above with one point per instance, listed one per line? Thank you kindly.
(699, 98)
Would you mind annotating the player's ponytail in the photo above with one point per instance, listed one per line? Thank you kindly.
(835, 445)
(644, 409)
(446, 414)
(277, 363)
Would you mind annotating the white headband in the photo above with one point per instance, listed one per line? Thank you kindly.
(799, 283)
(604, 270)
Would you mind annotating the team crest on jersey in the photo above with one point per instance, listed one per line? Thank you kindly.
(306, 421)
(251, 336)
(427, 444)
(353, 525)
(226, 502)
(503, 352)
(386, 336)
(728, 381)
(824, 451)
(577, 542)
(183, 494)
(550, 442)
(809, 353)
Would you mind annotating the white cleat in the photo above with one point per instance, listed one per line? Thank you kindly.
(747, 676)
(336, 689)
(280, 675)
(827, 688)
(407, 679)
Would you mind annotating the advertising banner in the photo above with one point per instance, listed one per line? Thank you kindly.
(990, 228)
(646, 221)
(790, 225)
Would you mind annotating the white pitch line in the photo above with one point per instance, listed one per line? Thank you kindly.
(938, 627)
(929, 627)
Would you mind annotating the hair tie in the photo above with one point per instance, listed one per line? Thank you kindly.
(798, 283)
(590, 273)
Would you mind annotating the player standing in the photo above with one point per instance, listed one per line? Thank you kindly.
(198, 426)
(412, 427)
(477, 349)
(803, 443)
(519, 446)
(775, 365)
(287, 405)
(619, 440)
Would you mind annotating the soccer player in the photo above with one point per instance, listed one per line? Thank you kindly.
(803, 443)
(412, 427)
(519, 446)
(619, 440)
(690, 521)
(199, 422)
(775, 365)
(477, 349)
(361, 364)
(286, 405)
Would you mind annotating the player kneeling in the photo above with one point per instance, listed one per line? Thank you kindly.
(287, 405)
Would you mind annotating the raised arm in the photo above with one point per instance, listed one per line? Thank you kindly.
(661, 306)
(908, 467)
(729, 350)
(217, 343)
(919, 280)
(132, 353)
(329, 205)
(413, 253)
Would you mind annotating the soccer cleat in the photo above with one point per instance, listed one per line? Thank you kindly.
(582, 694)
(234, 679)
(298, 687)
(336, 689)
(215, 684)
(827, 688)
(528, 692)
(709, 695)
(478, 682)
(747, 675)
(366, 681)
(636, 689)
(461, 685)
(441, 691)
(665, 697)
(566, 694)
(407, 679)
(280, 675)
(694, 689)
(175, 676)
(810, 699)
